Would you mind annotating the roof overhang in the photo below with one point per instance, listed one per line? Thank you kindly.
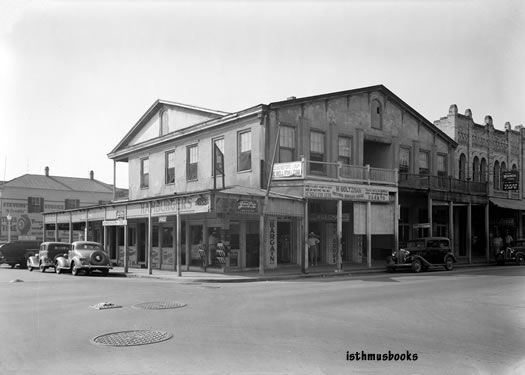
(511, 204)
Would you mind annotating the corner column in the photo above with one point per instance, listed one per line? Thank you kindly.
(369, 233)
(339, 260)
(469, 232)
(487, 233)
(451, 225)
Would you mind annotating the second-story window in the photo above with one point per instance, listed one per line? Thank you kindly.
(442, 165)
(35, 204)
(218, 157)
(144, 173)
(404, 160)
(475, 169)
(345, 150)
(170, 167)
(244, 151)
(424, 162)
(71, 203)
(317, 152)
(192, 162)
(483, 170)
(286, 144)
(496, 175)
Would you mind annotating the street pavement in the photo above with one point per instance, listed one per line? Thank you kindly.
(467, 321)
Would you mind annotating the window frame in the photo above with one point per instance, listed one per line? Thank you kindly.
(68, 204)
(190, 174)
(167, 179)
(419, 169)
(409, 151)
(351, 147)
(144, 177)
(245, 154)
(444, 172)
(35, 205)
(293, 138)
(320, 157)
(213, 143)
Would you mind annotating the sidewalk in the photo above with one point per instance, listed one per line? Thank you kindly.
(290, 273)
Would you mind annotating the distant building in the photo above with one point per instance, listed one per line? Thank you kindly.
(24, 199)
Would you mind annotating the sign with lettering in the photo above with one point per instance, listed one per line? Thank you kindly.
(511, 180)
(271, 243)
(116, 222)
(247, 206)
(347, 192)
(287, 170)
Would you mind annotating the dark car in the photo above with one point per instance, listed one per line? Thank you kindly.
(84, 256)
(17, 252)
(512, 254)
(46, 257)
(422, 254)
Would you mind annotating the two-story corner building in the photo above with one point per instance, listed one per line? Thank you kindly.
(493, 157)
(354, 147)
(194, 185)
(24, 198)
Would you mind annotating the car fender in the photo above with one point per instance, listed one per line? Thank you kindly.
(62, 262)
(451, 256)
(421, 259)
(33, 261)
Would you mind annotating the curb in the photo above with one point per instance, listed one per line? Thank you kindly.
(250, 279)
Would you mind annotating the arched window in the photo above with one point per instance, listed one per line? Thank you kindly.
(514, 167)
(483, 170)
(376, 112)
(475, 169)
(496, 175)
(462, 167)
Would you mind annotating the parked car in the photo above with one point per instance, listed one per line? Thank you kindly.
(84, 256)
(47, 255)
(512, 254)
(17, 252)
(422, 254)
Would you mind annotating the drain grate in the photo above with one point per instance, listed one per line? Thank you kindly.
(132, 338)
(159, 305)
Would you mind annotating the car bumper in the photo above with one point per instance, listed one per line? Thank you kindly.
(92, 267)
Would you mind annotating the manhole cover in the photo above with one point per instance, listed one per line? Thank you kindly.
(132, 338)
(159, 305)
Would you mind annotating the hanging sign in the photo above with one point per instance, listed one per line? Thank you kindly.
(346, 192)
(510, 180)
(282, 171)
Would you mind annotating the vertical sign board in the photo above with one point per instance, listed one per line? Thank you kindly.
(510, 180)
(271, 243)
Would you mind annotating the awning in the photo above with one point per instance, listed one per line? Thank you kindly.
(511, 204)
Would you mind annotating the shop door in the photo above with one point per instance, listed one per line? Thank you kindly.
(252, 244)
(141, 243)
(284, 243)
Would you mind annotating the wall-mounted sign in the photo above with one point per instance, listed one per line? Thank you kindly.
(271, 243)
(511, 180)
(108, 223)
(346, 192)
(247, 206)
(163, 219)
(293, 169)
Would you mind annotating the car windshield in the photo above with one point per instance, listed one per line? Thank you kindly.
(59, 247)
(88, 246)
(418, 243)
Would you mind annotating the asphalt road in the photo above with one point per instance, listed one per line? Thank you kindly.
(468, 321)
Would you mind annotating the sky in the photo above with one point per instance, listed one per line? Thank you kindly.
(75, 76)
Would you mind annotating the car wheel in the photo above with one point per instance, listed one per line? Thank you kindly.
(29, 267)
(449, 264)
(42, 268)
(500, 260)
(58, 270)
(12, 265)
(74, 270)
(520, 259)
(416, 266)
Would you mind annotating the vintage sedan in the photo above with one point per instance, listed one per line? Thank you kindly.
(512, 254)
(47, 255)
(17, 252)
(422, 254)
(84, 256)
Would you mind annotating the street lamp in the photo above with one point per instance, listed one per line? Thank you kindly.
(9, 217)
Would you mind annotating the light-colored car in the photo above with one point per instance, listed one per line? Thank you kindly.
(84, 256)
(47, 255)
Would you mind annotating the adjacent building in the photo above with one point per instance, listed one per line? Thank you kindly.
(25, 198)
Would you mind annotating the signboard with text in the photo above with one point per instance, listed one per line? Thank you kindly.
(511, 180)
(293, 169)
(346, 192)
